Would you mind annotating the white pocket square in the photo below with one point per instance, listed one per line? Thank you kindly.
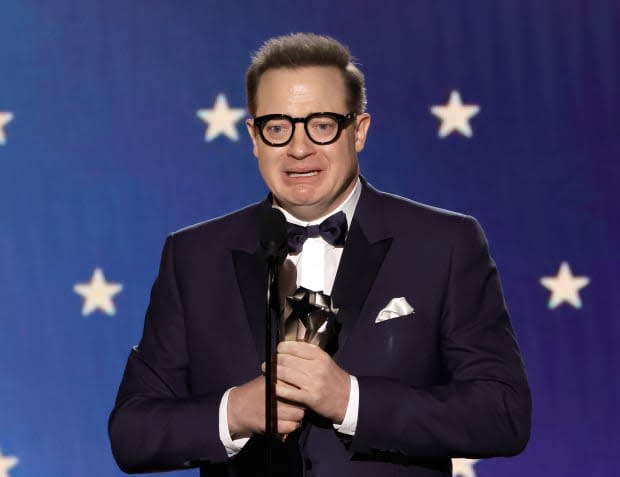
(395, 308)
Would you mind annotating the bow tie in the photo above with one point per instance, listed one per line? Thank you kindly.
(333, 230)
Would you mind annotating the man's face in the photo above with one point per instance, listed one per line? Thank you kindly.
(307, 179)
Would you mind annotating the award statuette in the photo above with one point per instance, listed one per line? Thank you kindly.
(311, 317)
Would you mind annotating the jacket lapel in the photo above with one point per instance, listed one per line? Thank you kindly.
(251, 272)
(364, 251)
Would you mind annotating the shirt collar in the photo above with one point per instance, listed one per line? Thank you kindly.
(348, 207)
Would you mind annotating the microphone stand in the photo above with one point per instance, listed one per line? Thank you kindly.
(272, 337)
(273, 242)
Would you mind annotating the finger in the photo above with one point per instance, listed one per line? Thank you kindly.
(285, 402)
(292, 376)
(304, 373)
(295, 362)
(299, 349)
(291, 393)
(286, 427)
(290, 413)
(307, 367)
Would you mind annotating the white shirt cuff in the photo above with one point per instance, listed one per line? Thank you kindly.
(233, 447)
(349, 423)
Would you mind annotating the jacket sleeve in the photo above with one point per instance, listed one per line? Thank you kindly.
(157, 423)
(484, 407)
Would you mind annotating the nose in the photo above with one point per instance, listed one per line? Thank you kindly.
(300, 146)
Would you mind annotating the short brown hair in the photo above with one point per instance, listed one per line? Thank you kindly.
(306, 49)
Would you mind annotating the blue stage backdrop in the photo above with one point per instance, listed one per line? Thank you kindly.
(122, 120)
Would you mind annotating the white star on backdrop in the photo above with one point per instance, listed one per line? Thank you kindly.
(455, 115)
(464, 467)
(98, 294)
(6, 464)
(564, 287)
(5, 118)
(221, 119)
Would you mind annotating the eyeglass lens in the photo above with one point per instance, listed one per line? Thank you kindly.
(320, 129)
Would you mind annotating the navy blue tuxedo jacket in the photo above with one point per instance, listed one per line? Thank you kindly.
(446, 381)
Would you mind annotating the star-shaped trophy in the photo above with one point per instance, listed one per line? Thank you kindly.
(311, 317)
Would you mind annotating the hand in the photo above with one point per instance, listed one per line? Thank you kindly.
(307, 375)
(246, 411)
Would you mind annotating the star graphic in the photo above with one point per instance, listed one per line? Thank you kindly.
(455, 116)
(464, 467)
(564, 287)
(221, 119)
(98, 294)
(6, 464)
(5, 118)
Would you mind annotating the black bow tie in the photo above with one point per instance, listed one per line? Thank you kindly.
(333, 230)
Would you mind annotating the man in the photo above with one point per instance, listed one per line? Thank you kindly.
(427, 367)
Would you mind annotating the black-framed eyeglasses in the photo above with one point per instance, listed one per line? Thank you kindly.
(322, 128)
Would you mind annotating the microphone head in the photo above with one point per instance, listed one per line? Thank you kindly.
(272, 233)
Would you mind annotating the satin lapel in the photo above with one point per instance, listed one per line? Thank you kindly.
(361, 259)
(251, 273)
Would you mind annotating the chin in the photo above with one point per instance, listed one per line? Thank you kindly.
(302, 195)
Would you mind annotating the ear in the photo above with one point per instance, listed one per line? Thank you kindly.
(249, 124)
(362, 123)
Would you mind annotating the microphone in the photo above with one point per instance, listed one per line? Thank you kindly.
(272, 232)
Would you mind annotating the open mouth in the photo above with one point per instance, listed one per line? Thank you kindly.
(302, 174)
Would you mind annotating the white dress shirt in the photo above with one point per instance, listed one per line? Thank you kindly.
(316, 264)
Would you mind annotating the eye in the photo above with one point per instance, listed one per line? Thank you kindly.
(276, 128)
(323, 126)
